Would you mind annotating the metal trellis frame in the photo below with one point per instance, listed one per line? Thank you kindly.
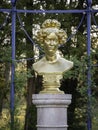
(14, 11)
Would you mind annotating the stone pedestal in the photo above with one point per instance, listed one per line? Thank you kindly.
(51, 111)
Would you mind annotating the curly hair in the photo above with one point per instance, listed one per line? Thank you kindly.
(48, 27)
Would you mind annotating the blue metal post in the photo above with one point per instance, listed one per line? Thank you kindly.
(89, 118)
(13, 29)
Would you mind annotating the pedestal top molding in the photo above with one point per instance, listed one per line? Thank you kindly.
(52, 96)
(53, 99)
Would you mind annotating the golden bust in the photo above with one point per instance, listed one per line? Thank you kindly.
(52, 65)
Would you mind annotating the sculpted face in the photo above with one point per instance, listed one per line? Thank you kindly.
(51, 44)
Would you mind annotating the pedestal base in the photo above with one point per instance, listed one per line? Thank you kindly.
(51, 111)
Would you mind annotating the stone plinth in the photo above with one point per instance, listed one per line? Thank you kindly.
(51, 111)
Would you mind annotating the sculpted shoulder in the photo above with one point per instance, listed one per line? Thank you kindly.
(60, 66)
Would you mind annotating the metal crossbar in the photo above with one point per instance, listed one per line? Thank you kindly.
(14, 12)
(48, 11)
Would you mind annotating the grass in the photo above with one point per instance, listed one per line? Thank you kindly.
(95, 119)
(19, 119)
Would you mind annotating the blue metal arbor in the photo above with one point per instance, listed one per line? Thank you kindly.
(87, 11)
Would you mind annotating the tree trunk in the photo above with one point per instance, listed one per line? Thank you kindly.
(30, 80)
(4, 84)
(69, 87)
(1, 105)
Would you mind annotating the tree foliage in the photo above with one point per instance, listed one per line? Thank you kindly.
(74, 82)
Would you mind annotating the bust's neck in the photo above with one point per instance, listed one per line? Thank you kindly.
(51, 59)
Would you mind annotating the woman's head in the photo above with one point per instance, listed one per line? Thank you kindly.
(49, 28)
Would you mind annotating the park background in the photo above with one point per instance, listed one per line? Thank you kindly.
(27, 51)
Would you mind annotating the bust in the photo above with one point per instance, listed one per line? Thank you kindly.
(52, 64)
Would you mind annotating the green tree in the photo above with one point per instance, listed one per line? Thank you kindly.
(74, 82)
(5, 54)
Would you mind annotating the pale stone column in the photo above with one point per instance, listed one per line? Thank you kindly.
(51, 111)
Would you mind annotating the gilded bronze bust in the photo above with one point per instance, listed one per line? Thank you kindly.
(52, 65)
